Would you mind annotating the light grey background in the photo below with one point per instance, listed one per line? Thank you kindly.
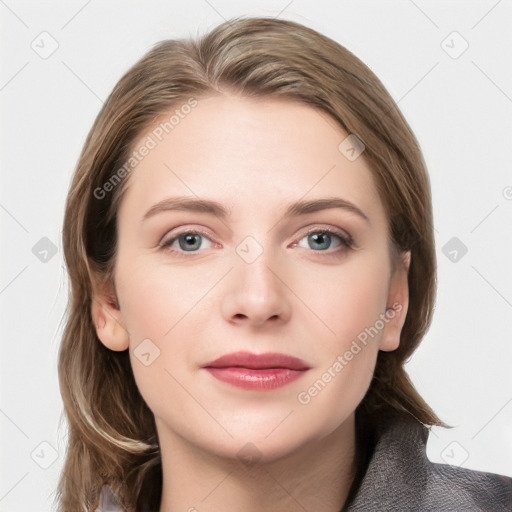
(458, 104)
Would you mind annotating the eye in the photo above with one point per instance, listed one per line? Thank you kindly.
(188, 241)
(322, 240)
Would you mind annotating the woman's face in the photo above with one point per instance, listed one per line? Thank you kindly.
(194, 285)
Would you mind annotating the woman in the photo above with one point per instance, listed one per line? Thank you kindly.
(250, 247)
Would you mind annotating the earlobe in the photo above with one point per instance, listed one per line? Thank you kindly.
(107, 320)
(396, 306)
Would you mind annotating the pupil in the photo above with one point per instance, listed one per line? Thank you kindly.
(318, 237)
(190, 242)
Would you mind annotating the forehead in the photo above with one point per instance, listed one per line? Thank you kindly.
(249, 152)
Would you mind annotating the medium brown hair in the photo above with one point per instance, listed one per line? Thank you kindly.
(112, 434)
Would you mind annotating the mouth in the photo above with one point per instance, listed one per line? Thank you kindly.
(260, 372)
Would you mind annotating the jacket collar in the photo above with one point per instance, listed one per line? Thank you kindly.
(397, 468)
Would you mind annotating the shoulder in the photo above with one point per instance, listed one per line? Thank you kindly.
(399, 477)
(108, 502)
(450, 486)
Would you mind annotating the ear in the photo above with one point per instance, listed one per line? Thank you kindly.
(107, 317)
(396, 305)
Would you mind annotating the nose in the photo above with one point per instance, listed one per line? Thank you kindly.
(257, 293)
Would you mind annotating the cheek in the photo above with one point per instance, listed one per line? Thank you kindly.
(351, 304)
(336, 389)
(348, 300)
(160, 308)
(157, 298)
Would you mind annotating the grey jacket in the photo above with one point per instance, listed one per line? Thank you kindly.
(400, 478)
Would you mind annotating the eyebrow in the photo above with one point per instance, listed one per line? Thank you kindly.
(214, 208)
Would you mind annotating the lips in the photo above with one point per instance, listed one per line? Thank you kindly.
(259, 361)
(260, 372)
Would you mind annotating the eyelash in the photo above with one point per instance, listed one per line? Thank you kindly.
(346, 241)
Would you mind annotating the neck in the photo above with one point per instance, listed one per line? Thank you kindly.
(316, 476)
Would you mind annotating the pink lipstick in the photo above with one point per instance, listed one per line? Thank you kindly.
(260, 372)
